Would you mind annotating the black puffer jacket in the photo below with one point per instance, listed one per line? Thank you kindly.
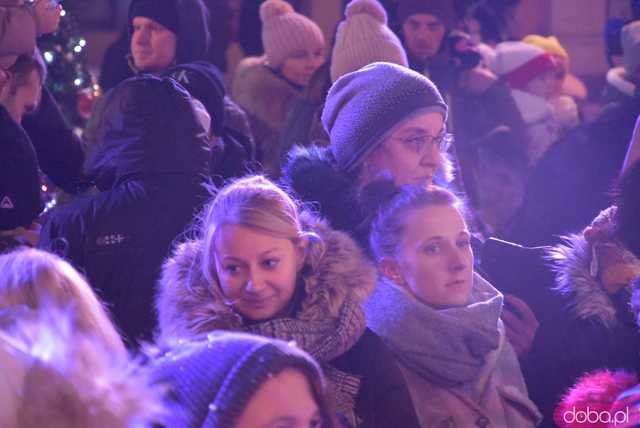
(20, 201)
(150, 164)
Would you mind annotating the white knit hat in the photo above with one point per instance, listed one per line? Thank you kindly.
(631, 46)
(521, 62)
(364, 38)
(285, 31)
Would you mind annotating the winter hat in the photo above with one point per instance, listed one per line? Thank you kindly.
(211, 382)
(521, 62)
(442, 9)
(364, 37)
(205, 83)
(631, 46)
(285, 31)
(363, 106)
(164, 12)
(549, 44)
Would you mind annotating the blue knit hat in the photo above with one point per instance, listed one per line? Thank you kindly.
(209, 383)
(364, 106)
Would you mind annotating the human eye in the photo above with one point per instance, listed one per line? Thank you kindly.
(231, 269)
(432, 248)
(464, 243)
(270, 263)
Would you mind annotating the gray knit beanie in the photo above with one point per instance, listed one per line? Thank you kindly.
(364, 106)
(209, 383)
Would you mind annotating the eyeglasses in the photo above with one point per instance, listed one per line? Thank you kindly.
(420, 142)
(52, 3)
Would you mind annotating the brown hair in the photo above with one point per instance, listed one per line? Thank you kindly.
(23, 67)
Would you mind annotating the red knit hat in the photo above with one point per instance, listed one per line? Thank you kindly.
(520, 62)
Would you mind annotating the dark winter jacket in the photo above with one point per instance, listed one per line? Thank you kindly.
(267, 98)
(572, 182)
(61, 153)
(312, 174)
(596, 331)
(193, 43)
(328, 322)
(20, 201)
(149, 165)
(233, 153)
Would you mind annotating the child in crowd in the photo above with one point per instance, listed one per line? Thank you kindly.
(530, 72)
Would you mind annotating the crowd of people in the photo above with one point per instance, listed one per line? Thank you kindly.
(417, 223)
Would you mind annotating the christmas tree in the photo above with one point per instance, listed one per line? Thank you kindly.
(69, 79)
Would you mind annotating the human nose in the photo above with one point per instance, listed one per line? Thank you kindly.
(255, 282)
(457, 261)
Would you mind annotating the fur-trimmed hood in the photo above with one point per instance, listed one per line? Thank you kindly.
(313, 175)
(572, 263)
(188, 306)
(617, 80)
(262, 92)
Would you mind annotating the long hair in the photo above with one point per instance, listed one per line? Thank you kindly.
(33, 278)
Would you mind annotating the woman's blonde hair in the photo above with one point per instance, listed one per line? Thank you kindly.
(256, 203)
(36, 279)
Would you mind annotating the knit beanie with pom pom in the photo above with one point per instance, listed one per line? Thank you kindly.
(363, 38)
(284, 32)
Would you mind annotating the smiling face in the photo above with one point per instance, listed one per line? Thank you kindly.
(257, 271)
(434, 261)
(300, 65)
(283, 401)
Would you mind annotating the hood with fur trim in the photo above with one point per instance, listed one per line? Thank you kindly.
(572, 264)
(188, 306)
(262, 92)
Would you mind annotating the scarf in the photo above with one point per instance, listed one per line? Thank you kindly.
(448, 347)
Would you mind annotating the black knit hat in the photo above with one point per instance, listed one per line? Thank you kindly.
(164, 12)
(442, 9)
(205, 83)
(211, 382)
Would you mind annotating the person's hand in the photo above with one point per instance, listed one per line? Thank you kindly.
(520, 323)
(28, 236)
(47, 16)
(477, 80)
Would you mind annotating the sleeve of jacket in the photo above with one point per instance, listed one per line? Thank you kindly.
(60, 151)
(501, 107)
(384, 392)
(17, 31)
(20, 201)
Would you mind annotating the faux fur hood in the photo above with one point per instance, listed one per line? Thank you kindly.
(572, 261)
(263, 93)
(188, 306)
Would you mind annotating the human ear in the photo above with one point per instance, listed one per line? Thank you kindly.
(390, 269)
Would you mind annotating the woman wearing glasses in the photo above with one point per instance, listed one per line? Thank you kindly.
(383, 120)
